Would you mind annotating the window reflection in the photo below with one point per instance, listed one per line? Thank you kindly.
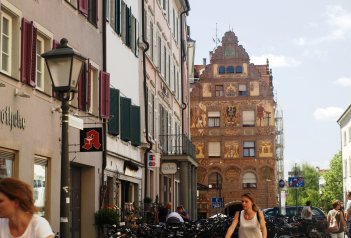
(39, 184)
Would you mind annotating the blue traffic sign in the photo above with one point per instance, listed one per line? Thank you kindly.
(217, 202)
(296, 182)
(281, 183)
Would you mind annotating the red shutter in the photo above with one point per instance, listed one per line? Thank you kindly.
(88, 91)
(28, 48)
(104, 94)
(83, 7)
(82, 90)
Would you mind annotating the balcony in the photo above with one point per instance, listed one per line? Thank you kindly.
(177, 145)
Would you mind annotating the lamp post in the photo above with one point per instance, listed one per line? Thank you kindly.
(64, 65)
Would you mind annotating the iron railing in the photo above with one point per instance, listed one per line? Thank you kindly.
(177, 145)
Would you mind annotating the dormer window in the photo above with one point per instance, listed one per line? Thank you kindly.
(221, 70)
(230, 70)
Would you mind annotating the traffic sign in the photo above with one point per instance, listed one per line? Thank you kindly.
(217, 202)
(296, 182)
(281, 183)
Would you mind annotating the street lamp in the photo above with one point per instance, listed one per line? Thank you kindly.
(64, 65)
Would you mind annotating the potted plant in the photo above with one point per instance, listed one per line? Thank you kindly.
(106, 216)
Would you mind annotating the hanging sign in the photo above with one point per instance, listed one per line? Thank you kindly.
(91, 139)
(153, 161)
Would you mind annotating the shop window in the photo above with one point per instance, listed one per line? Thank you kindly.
(239, 70)
(7, 159)
(40, 184)
(242, 90)
(249, 180)
(248, 118)
(249, 149)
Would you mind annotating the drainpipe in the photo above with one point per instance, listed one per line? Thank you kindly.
(104, 121)
(146, 48)
(183, 57)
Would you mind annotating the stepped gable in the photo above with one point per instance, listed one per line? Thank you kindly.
(230, 49)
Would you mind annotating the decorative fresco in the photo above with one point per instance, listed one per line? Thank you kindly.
(231, 150)
(198, 116)
(206, 90)
(264, 114)
(201, 174)
(265, 149)
(230, 90)
(200, 150)
(232, 116)
(232, 174)
(266, 173)
(254, 88)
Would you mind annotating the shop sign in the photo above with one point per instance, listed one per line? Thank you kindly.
(169, 168)
(91, 139)
(12, 119)
(153, 160)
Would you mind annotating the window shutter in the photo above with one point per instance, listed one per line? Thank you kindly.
(118, 17)
(136, 38)
(89, 83)
(125, 118)
(104, 94)
(82, 86)
(28, 61)
(97, 11)
(83, 7)
(128, 20)
(113, 123)
(135, 125)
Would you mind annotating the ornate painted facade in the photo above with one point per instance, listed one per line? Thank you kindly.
(232, 126)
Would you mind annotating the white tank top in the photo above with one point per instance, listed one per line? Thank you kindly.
(249, 228)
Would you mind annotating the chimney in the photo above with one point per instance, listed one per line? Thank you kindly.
(204, 62)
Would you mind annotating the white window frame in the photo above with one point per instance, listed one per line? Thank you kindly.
(249, 180)
(247, 147)
(94, 89)
(214, 119)
(40, 81)
(10, 39)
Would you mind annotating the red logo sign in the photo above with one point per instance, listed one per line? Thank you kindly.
(90, 139)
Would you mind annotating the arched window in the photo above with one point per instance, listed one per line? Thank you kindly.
(221, 70)
(239, 70)
(230, 70)
(249, 180)
(215, 180)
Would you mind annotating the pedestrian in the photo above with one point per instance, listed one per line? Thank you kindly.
(163, 212)
(183, 213)
(336, 214)
(17, 212)
(251, 220)
(348, 213)
(306, 212)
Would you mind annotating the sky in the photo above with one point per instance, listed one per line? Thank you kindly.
(308, 44)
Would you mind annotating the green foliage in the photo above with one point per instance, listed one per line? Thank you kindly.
(320, 197)
(147, 200)
(107, 216)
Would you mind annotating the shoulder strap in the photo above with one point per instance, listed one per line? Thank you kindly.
(239, 217)
(258, 216)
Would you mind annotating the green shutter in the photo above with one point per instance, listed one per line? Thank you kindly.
(135, 125)
(113, 124)
(125, 118)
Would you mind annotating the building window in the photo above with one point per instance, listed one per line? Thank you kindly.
(221, 70)
(248, 118)
(239, 69)
(219, 90)
(215, 181)
(350, 134)
(214, 149)
(94, 90)
(249, 180)
(151, 119)
(40, 184)
(230, 70)
(92, 12)
(344, 138)
(40, 64)
(249, 149)
(242, 90)
(6, 42)
(214, 119)
(7, 160)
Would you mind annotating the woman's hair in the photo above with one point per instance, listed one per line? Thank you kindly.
(17, 190)
(252, 199)
(335, 203)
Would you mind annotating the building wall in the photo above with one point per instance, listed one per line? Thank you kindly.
(41, 136)
(218, 105)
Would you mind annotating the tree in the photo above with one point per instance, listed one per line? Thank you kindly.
(333, 183)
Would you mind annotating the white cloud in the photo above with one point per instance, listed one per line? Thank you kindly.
(275, 61)
(345, 82)
(328, 113)
(339, 20)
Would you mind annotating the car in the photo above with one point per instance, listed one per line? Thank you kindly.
(290, 211)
